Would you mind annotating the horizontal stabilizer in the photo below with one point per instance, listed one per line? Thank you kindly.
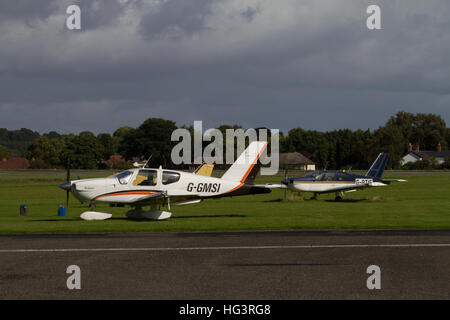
(388, 181)
(205, 170)
(271, 186)
(184, 202)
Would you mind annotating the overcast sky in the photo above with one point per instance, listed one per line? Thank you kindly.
(280, 64)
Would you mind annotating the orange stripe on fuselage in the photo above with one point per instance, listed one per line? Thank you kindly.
(235, 188)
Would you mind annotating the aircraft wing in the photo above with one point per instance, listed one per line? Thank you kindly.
(144, 199)
(349, 188)
(176, 200)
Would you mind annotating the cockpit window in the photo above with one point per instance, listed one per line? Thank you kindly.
(170, 177)
(341, 176)
(327, 176)
(124, 177)
(146, 178)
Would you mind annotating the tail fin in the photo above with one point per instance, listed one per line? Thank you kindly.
(245, 168)
(377, 168)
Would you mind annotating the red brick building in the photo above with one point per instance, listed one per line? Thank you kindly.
(14, 163)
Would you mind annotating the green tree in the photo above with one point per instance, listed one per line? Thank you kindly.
(153, 137)
(17, 141)
(122, 132)
(313, 144)
(428, 130)
(47, 150)
(121, 137)
(448, 138)
(4, 153)
(84, 151)
(53, 135)
(108, 145)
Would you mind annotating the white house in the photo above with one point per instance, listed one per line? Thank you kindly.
(416, 155)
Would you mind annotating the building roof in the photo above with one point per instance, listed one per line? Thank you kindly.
(293, 158)
(430, 154)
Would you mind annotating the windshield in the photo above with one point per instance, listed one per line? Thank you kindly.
(124, 177)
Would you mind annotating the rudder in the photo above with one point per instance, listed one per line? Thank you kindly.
(377, 168)
(245, 168)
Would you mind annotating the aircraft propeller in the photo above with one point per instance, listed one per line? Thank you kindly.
(68, 181)
(285, 178)
(67, 185)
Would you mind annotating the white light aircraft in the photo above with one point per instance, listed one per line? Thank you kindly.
(329, 181)
(155, 188)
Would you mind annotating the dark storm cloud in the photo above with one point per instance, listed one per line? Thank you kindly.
(27, 10)
(175, 19)
(250, 13)
(280, 64)
(102, 13)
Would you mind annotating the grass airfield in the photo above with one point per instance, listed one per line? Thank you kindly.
(421, 203)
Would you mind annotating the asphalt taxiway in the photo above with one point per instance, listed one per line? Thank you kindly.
(292, 264)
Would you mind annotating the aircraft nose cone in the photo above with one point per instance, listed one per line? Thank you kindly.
(66, 185)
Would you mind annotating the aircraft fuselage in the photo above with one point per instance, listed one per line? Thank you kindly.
(131, 185)
(331, 181)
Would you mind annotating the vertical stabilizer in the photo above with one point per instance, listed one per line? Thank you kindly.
(377, 168)
(245, 168)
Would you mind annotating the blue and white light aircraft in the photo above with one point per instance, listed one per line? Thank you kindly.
(329, 181)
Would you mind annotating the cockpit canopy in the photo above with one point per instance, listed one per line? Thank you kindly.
(124, 177)
(328, 175)
(147, 177)
(333, 176)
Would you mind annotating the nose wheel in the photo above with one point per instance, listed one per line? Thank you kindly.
(338, 196)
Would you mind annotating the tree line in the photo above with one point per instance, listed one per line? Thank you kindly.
(337, 149)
